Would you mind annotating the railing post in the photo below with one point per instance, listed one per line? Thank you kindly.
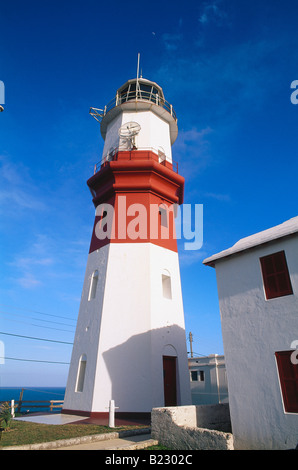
(20, 401)
(12, 408)
(112, 408)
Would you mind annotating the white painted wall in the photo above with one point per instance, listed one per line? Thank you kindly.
(253, 330)
(154, 133)
(131, 326)
(167, 323)
(192, 427)
(87, 334)
(214, 388)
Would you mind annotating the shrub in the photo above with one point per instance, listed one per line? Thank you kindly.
(5, 415)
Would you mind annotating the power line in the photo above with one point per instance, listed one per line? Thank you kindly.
(32, 337)
(32, 360)
(36, 311)
(198, 354)
(34, 324)
(38, 319)
(42, 391)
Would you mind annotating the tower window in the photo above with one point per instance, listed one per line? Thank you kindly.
(163, 213)
(81, 373)
(276, 276)
(166, 285)
(93, 285)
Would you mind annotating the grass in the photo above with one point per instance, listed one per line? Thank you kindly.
(22, 432)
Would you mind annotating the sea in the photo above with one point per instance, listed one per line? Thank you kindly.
(33, 394)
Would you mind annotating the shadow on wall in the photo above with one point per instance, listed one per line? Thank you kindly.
(136, 370)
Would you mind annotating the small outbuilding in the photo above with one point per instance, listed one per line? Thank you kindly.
(208, 380)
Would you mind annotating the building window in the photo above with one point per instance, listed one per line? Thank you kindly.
(194, 375)
(166, 285)
(81, 373)
(276, 276)
(197, 375)
(288, 378)
(93, 285)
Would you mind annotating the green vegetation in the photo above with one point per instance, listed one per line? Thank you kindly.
(5, 415)
(23, 433)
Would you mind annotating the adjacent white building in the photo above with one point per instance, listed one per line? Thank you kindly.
(257, 281)
(208, 380)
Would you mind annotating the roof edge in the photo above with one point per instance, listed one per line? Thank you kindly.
(289, 227)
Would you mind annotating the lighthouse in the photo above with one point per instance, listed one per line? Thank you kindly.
(130, 342)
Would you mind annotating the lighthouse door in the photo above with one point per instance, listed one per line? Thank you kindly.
(169, 377)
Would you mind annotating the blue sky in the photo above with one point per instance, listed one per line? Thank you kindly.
(225, 65)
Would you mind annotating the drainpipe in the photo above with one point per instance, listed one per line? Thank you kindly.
(217, 378)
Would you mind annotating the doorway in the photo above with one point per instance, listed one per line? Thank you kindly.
(169, 378)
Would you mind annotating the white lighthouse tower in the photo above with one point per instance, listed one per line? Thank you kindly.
(130, 343)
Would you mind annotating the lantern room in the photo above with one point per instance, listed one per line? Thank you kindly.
(139, 101)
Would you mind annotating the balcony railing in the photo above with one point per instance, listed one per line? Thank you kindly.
(135, 95)
(118, 154)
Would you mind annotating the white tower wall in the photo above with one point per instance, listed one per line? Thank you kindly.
(154, 133)
(133, 327)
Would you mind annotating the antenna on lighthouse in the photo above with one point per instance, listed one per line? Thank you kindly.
(138, 66)
(137, 82)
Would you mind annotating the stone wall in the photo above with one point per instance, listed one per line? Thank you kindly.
(214, 417)
(192, 427)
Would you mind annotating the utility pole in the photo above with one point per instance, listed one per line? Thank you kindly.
(190, 341)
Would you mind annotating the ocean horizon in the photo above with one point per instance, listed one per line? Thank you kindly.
(32, 394)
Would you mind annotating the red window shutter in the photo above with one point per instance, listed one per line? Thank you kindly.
(288, 377)
(276, 276)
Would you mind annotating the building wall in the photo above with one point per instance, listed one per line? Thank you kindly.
(211, 388)
(253, 329)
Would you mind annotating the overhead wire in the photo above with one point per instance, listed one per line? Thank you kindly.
(36, 311)
(36, 319)
(31, 360)
(42, 391)
(35, 338)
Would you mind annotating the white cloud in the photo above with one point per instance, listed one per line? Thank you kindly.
(191, 150)
(25, 263)
(188, 258)
(218, 196)
(17, 191)
(212, 12)
(172, 40)
(28, 281)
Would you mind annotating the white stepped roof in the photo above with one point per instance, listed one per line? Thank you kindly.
(288, 227)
